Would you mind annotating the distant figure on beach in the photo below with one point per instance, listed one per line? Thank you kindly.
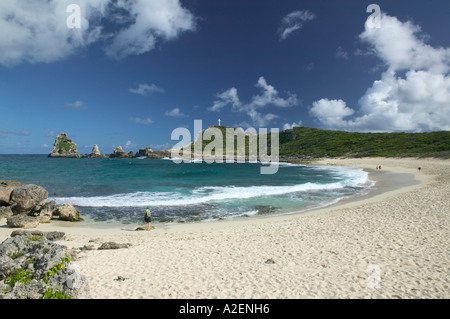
(379, 167)
(147, 218)
(419, 168)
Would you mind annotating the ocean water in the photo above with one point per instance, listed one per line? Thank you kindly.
(118, 190)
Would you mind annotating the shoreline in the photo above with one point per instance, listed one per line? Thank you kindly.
(321, 253)
(380, 179)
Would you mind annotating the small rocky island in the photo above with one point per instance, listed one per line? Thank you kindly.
(66, 148)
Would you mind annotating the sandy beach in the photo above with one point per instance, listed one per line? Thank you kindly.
(391, 243)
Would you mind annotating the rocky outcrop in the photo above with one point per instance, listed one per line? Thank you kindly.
(45, 211)
(33, 267)
(24, 198)
(95, 153)
(64, 147)
(6, 187)
(159, 154)
(52, 235)
(22, 221)
(113, 245)
(27, 206)
(120, 153)
(5, 212)
(68, 213)
(144, 152)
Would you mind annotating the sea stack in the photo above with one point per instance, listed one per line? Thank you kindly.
(64, 147)
(120, 153)
(96, 152)
(144, 152)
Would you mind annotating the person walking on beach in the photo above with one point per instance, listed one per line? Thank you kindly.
(147, 218)
(419, 168)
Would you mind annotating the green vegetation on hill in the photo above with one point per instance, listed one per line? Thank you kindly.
(311, 142)
(64, 145)
(245, 138)
(305, 142)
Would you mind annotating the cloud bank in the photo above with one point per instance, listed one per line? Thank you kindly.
(36, 31)
(413, 93)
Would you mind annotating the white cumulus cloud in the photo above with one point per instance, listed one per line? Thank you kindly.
(331, 113)
(34, 31)
(153, 20)
(269, 96)
(413, 93)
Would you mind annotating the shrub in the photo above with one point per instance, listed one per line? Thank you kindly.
(18, 276)
(16, 254)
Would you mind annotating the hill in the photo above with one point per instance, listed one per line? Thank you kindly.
(315, 143)
(308, 143)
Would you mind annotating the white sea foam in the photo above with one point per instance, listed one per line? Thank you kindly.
(348, 177)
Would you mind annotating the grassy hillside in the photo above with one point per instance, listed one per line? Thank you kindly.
(206, 142)
(305, 142)
(311, 142)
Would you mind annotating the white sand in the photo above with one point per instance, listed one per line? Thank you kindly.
(390, 245)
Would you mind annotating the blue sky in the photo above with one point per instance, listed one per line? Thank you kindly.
(136, 70)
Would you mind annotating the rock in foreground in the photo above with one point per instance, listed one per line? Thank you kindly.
(24, 198)
(22, 221)
(68, 213)
(32, 267)
(113, 245)
(27, 206)
(6, 188)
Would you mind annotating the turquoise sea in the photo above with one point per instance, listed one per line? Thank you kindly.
(118, 190)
